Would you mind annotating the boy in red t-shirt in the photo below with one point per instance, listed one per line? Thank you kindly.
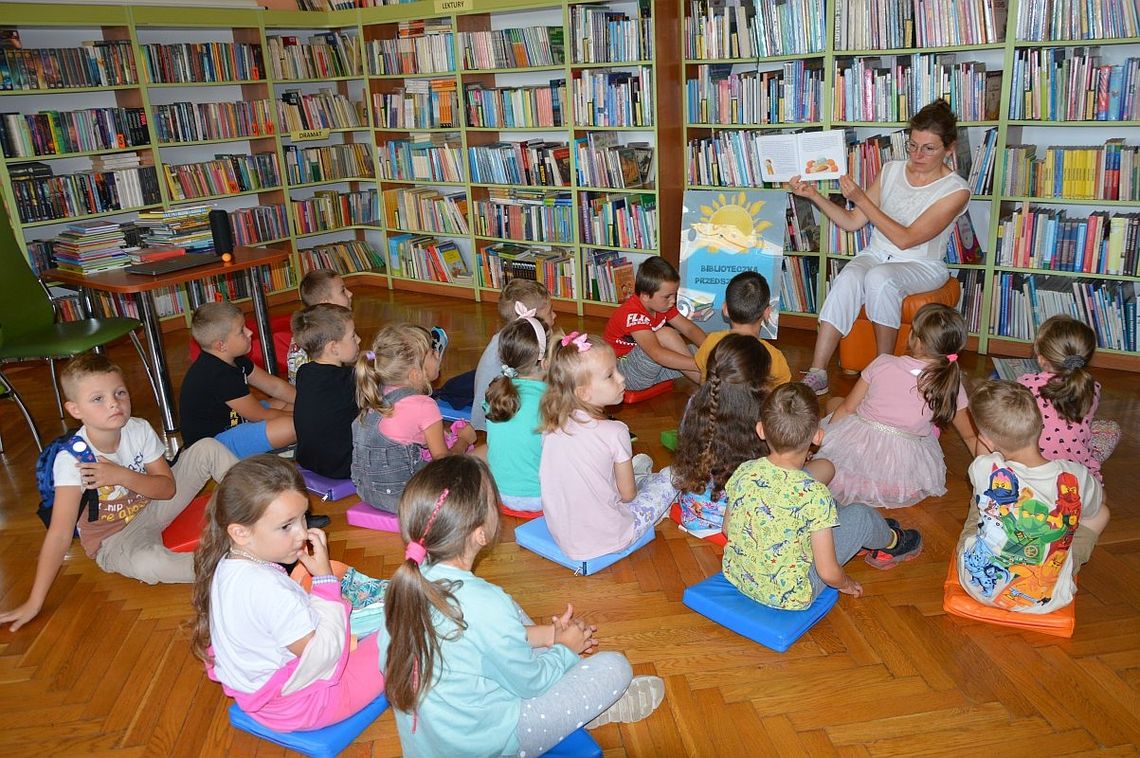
(648, 334)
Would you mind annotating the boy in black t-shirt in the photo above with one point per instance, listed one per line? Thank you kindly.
(326, 389)
(215, 399)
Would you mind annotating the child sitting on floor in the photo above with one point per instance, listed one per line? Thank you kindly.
(648, 334)
(326, 389)
(289, 658)
(139, 494)
(321, 285)
(215, 399)
(398, 419)
(594, 505)
(747, 306)
(1068, 396)
(518, 296)
(468, 673)
(514, 442)
(1033, 522)
(786, 538)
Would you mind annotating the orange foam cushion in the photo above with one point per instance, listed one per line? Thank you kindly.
(184, 531)
(958, 602)
(716, 539)
(637, 396)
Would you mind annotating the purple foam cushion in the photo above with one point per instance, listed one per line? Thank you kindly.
(367, 517)
(327, 488)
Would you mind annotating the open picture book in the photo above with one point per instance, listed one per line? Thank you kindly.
(814, 156)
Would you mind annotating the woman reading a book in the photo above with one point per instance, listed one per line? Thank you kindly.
(912, 205)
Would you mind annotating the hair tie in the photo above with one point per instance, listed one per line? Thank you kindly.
(416, 550)
(508, 372)
(1073, 362)
(370, 355)
(579, 339)
(523, 312)
(952, 357)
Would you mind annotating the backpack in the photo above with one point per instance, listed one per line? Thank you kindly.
(45, 476)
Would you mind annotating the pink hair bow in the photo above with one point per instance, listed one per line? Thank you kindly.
(523, 312)
(579, 339)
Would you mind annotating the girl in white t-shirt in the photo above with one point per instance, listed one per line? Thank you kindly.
(594, 505)
(287, 656)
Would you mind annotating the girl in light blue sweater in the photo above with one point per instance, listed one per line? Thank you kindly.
(467, 672)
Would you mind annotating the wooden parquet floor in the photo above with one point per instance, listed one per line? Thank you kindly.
(106, 667)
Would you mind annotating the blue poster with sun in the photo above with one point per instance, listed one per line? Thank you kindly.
(724, 232)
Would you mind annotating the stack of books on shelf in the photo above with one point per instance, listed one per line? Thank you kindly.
(435, 157)
(227, 174)
(525, 214)
(942, 23)
(516, 107)
(40, 256)
(791, 94)
(605, 35)
(29, 135)
(427, 259)
(626, 221)
(349, 257)
(1054, 84)
(101, 63)
(972, 282)
(1021, 302)
(327, 210)
(258, 224)
(797, 284)
(325, 55)
(318, 164)
(1010, 369)
(420, 47)
(89, 247)
(186, 229)
(324, 110)
(1111, 172)
(535, 162)
(869, 89)
(1077, 20)
(614, 98)
(1053, 240)
(609, 276)
(604, 162)
(195, 122)
(512, 48)
(553, 267)
(981, 177)
(718, 29)
(426, 210)
(884, 25)
(419, 104)
(190, 62)
(117, 182)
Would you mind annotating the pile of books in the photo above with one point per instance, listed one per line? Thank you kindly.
(187, 229)
(89, 247)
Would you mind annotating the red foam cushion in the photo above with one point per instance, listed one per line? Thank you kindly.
(184, 531)
(716, 539)
(519, 514)
(282, 330)
(637, 396)
(956, 601)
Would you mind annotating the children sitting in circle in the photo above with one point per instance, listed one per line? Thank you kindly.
(287, 656)
(1068, 396)
(467, 671)
(398, 418)
(1033, 522)
(326, 389)
(882, 438)
(786, 538)
(514, 442)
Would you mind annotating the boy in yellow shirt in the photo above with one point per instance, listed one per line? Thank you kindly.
(747, 306)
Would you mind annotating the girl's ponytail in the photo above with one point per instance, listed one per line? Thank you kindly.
(941, 333)
(1068, 345)
(522, 346)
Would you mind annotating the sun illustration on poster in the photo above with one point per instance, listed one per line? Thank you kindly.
(730, 224)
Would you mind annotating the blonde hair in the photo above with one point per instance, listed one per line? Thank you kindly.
(212, 322)
(1007, 413)
(530, 293)
(567, 371)
(82, 366)
(1067, 345)
(397, 351)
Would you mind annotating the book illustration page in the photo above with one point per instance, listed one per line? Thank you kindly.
(779, 157)
(823, 155)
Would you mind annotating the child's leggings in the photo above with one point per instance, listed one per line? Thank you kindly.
(860, 526)
(655, 495)
(360, 684)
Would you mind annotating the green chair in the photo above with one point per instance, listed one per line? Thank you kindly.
(30, 331)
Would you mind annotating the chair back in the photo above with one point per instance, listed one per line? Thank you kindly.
(24, 306)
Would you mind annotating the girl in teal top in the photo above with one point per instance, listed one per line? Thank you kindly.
(467, 672)
(514, 444)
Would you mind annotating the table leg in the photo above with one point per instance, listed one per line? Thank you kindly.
(261, 316)
(153, 331)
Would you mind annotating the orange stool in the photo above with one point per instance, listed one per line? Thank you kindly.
(184, 531)
(638, 396)
(957, 602)
(857, 349)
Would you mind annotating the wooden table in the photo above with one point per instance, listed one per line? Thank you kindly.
(120, 282)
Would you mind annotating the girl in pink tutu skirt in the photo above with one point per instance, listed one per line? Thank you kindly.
(883, 437)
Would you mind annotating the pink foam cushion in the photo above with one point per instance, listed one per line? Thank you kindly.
(186, 529)
(367, 517)
(637, 396)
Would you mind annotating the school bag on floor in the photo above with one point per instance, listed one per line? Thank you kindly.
(71, 444)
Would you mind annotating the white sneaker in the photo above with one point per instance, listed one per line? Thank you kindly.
(639, 700)
(642, 465)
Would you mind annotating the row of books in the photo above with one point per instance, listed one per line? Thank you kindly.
(28, 135)
(603, 161)
(1021, 302)
(328, 210)
(613, 98)
(423, 209)
(318, 164)
(236, 287)
(873, 24)
(1049, 20)
(791, 94)
(942, 23)
(419, 104)
(345, 5)
(798, 278)
(227, 174)
(554, 267)
(802, 229)
(324, 110)
(972, 283)
(40, 196)
(737, 158)
(715, 29)
(202, 62)
(867, 89)
(197, 122)
(1111, 172)
(526, 214)
(981, 176)
(625, 221)
(513, 48)
(324, 55)
(420, 47)
(168, 301)
(259, 223)
(609, 276)
(1071, 84)
(1051, 239)
(436, 157)
(535, 162)
(605, 35)
(427, 258)
(348, 257)
(516, 107)
(101, 63)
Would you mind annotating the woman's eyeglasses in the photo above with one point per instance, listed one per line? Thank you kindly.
(912, 146)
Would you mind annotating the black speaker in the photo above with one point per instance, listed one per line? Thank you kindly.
(220, 229)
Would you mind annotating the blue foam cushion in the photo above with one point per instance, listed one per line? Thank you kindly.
(453, 414)
(318, 743)
(577, 744)
(716, 599)
(326, 487)
(535, 537)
